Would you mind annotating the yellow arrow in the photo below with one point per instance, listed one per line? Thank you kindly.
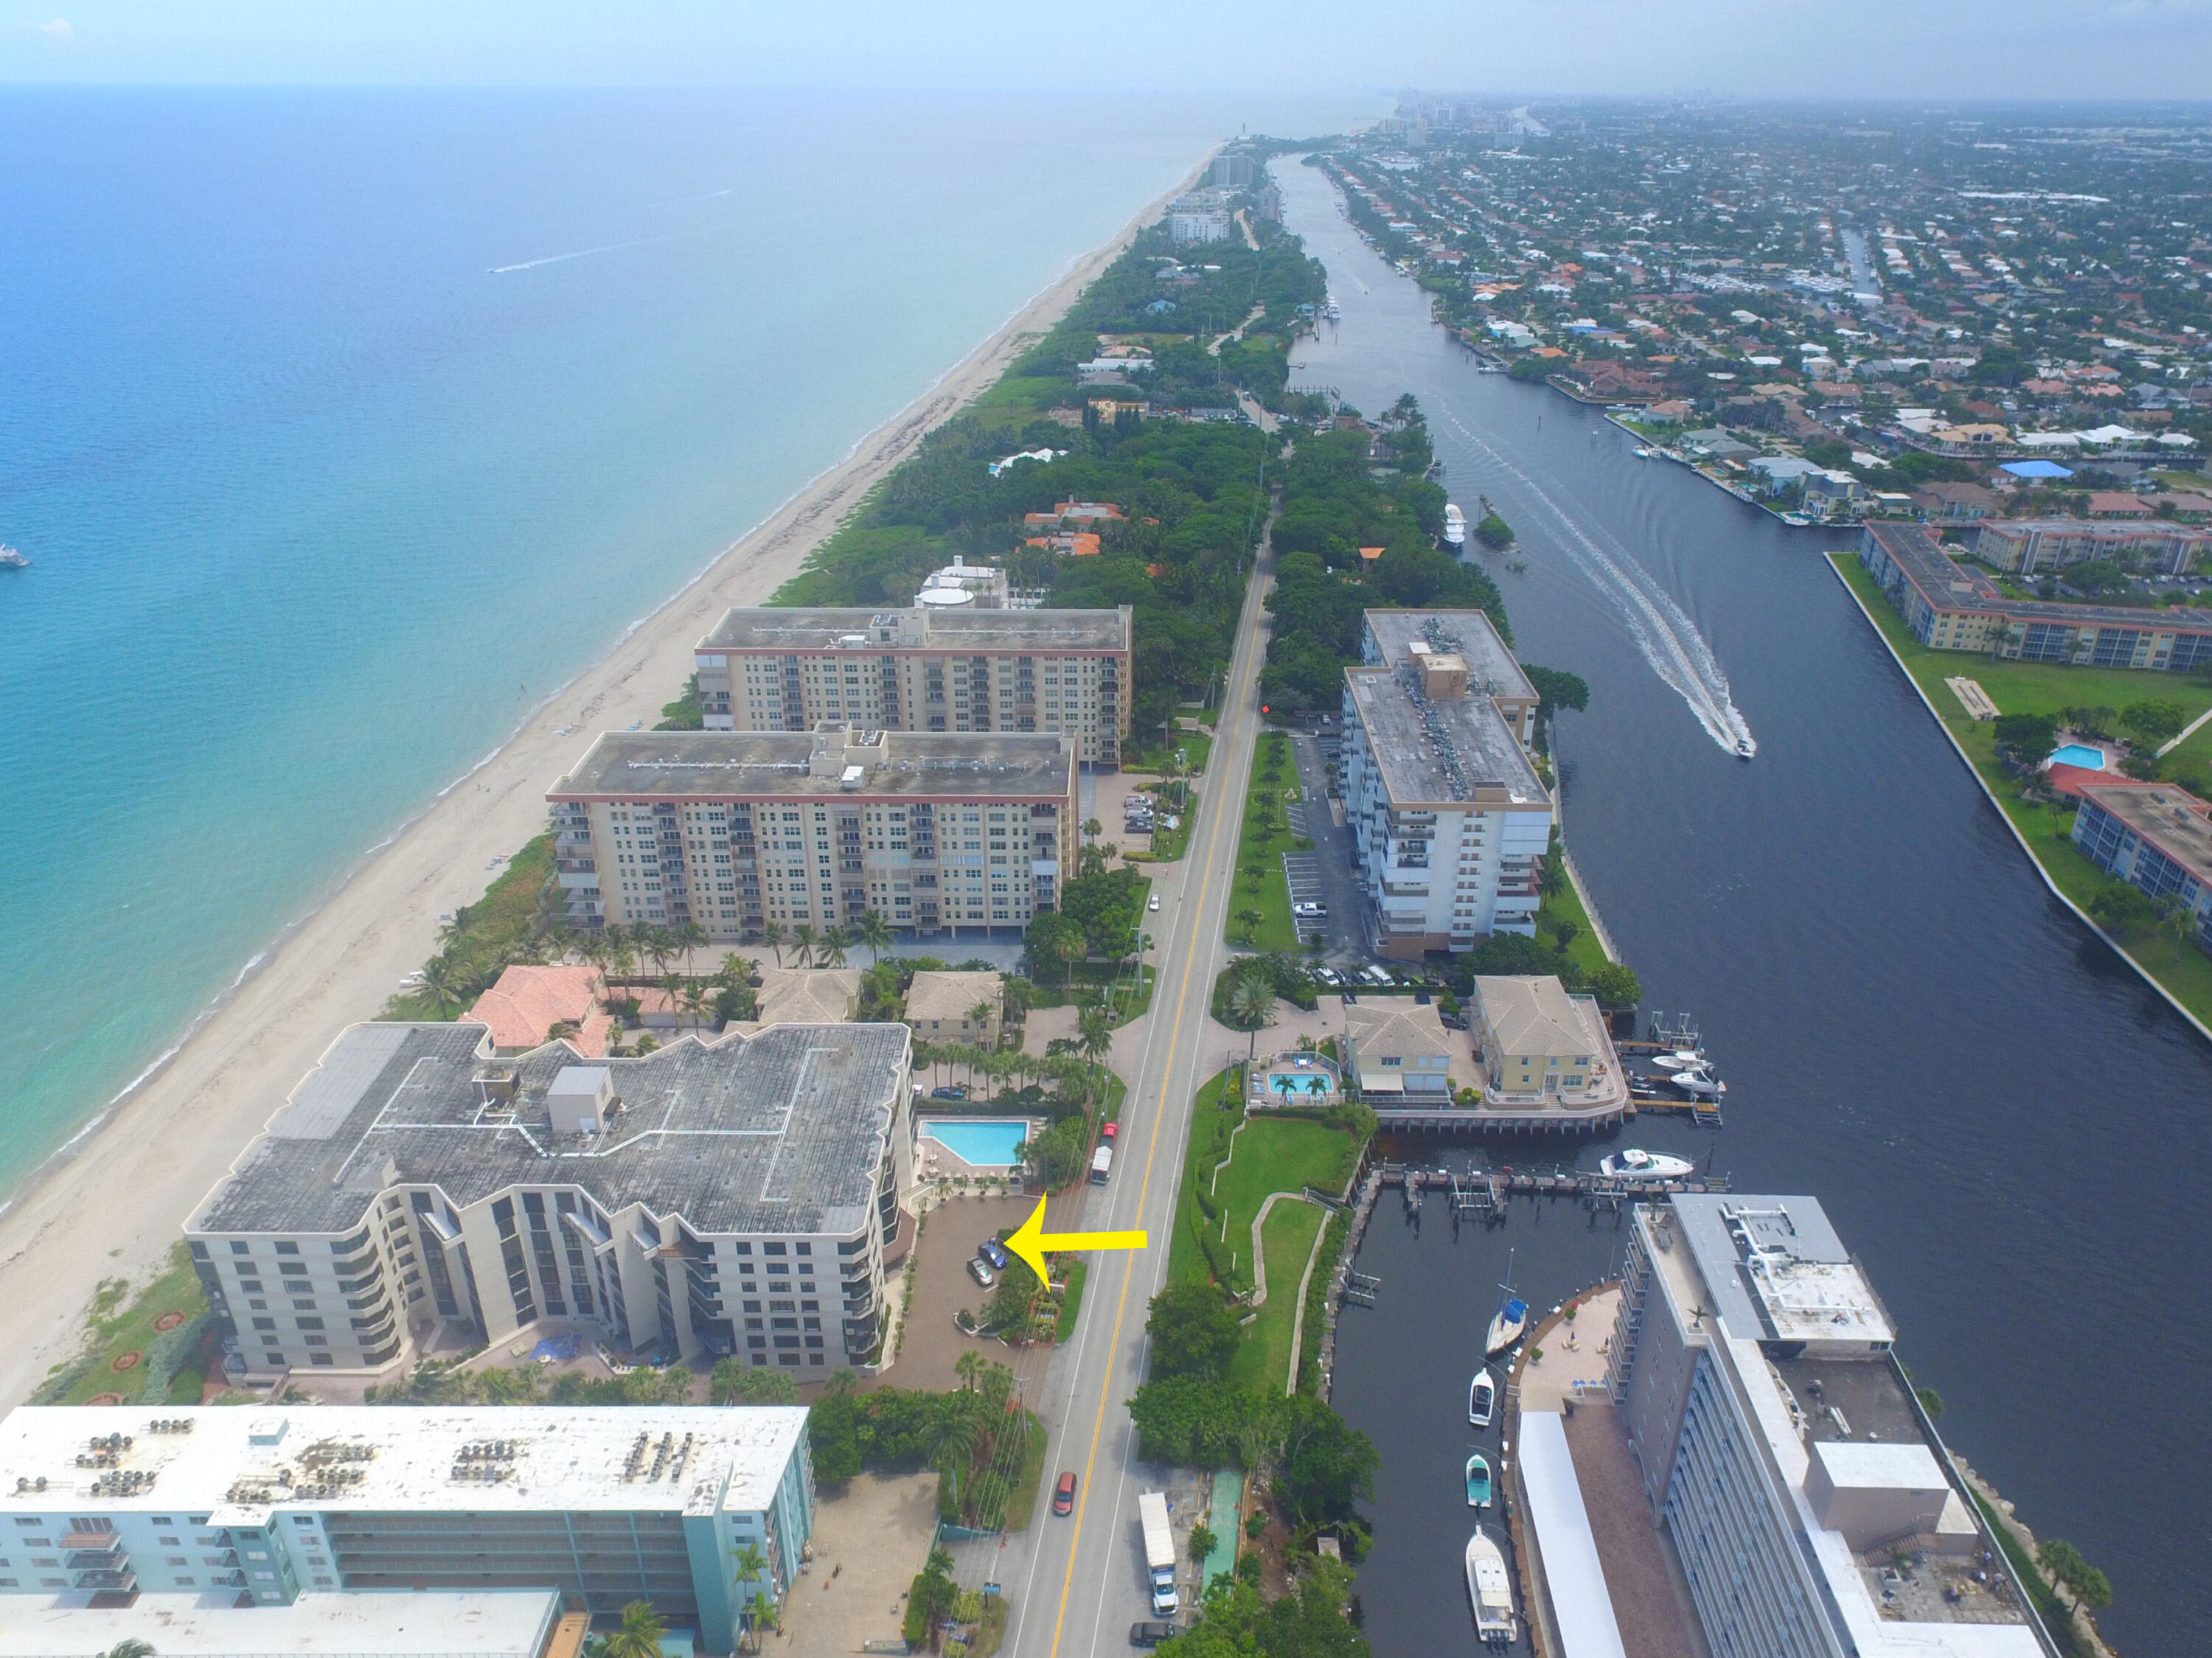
(1031, 1241)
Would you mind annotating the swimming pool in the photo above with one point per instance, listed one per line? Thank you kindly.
(2079, 753)
(980, 1142)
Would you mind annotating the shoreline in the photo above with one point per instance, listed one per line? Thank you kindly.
(176, 1129)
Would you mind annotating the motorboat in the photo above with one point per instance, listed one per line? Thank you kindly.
(12, 560)
(1646, 1165)
(1455, 527)
(1745, 748)
(1481, 1399)
(1697, 1085)
(1491, 1590)
(1682, 1059)
(1478, 1481)
(1642, 454)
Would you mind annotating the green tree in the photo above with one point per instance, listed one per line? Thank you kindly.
(834, 943)
(875, 932)
(773, 936)
(1251, 1010)
(2119, 908)
(639, 1634)
(449, 984)
(2154, 719)
(1193, 1332)
(1201, 1545)
(804, 943)
(1614, 984)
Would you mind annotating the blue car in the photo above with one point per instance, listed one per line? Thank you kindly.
(992, 1251)
(948, 1093)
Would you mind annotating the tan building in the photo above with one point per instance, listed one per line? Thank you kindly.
(1541, 1046)
(1394, 1046)
(940, 1007)
(807, 995)
(938, 667)
(738, 829)
(1395, 636)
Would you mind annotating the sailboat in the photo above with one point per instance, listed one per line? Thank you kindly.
(1512, 1318)
(1491, 1590)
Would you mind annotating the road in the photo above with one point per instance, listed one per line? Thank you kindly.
(1077, 1585)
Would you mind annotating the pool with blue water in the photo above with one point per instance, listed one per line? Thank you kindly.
(980, 1142)
(2079, 753)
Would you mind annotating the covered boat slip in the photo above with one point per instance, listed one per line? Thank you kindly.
(1558, 1527)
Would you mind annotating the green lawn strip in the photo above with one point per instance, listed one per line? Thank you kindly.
(1263, 1358)
(1267, 892)
(1071, 1299)
(1021, 1501)
(1270, 1154)
(1185, 1260)
(117, 1327)
(2040, 688)
(1582, 948)
(2048, 1607)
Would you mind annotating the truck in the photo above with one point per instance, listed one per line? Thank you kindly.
(1102, 1163)
(1159, 1552)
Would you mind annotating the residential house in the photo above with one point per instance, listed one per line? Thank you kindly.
(1539, 1045)
(940, 1007)
(1958, 502)
(1394, 1046)
(526, 1003)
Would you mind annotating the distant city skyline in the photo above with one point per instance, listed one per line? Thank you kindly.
(1962, 50)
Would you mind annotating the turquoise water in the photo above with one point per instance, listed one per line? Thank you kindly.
(2078, 754)
(343, 427)
(983, 1142)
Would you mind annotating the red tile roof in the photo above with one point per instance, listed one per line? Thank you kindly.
(527, 1002)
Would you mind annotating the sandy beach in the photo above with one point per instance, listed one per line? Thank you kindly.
(114, 1207)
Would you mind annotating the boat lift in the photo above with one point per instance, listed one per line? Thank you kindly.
(1361, 1288)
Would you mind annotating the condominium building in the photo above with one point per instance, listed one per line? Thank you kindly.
(1450, 817)
(1389, 636)
(2023, 546)
(194, 1624)
(938, 667)
(2157, 835)
(277, 1508)
(1953, 608)
(708, 1198)
(1815, 1513)
(737, 830)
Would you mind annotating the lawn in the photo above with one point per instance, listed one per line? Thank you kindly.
(1197, 748)
(1071, 1299)
(130, 1342)
(1021, 1498)
(2043, 688)
(1261, 890)
(1263, 1360)
(1582, 946)
(1269, 1154)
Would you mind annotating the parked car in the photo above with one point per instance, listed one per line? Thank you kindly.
(948, 1093)
(992, 1253)
(982, 1274)
(1154, 903)
(1329, 976)
(1063, 1494)
(1151, 1633)
(1111, 1130)
(1310, 911)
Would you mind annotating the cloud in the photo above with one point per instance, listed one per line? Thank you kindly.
(58, 31)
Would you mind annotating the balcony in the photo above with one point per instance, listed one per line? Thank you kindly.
(123, 1581)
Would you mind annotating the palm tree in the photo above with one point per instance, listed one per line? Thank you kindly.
(622, 951)
(968, 1367)
(449, 984)
(1251, 1009)
(639, 1636)
(1091, 829)
(695, 1002)
(981, 1015)
(690, 937)
(802, 943)
(1094, 1033)
(834, 943)
(773, 936)
(752, 1566)
(875, 933)
(761, 1613)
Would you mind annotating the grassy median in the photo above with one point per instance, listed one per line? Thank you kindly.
(1260, 907)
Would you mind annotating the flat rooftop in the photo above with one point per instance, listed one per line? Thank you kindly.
(1441, 752)
(1949, 586)
(781, 1132)
(726, 765)
(772, 628)
(2172, 819)
(239, 1463)
(1471, 633)
(1779, 1272)
(495, 1623)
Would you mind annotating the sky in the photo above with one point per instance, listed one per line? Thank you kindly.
(1948, 49)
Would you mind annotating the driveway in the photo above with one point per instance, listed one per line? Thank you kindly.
(932, 1344)
(870, 1539)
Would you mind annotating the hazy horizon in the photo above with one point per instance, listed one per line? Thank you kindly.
(1970, 49)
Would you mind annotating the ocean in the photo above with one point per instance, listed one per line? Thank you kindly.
(343, 427)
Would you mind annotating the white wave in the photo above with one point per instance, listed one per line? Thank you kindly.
(586, 252)
(1667, 640)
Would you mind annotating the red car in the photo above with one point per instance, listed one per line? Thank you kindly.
(1063, 1494)
(1109, 1130)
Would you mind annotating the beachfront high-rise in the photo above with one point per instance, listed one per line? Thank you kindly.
(938, 667)
(1448, 813)
(740, 830)
(262, 1510)
(735, 1197)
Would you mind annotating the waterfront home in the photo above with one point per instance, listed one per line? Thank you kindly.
(1952, 501)
(940, 1007)
(2157, 837)
(1394, 1046)
(526, 1003)
(1539, 1045)
(1952, 607)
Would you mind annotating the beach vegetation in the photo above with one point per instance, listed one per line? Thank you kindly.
(519, 920)
(150, 1346)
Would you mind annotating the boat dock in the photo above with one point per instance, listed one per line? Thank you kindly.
(1485, 1194)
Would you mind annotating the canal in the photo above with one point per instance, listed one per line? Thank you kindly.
(2004, 1123)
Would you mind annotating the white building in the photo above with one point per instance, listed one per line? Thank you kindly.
(1202, 215)
(1814, 1511)
(1388, 637)
(497, 1624)
(1450, 816)
(948, 665)
(738, 1197)
(276, 1509)
(737, 830)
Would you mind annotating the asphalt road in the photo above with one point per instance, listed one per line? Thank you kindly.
(1077, 1584)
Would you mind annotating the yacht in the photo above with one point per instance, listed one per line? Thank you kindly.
(1643, 454)
(12, 560)
(1455, 527)
(1478, 1481)
(1481, 1399)
(1697, 1085)
(1491, 1590)
(1682, 1059)
(1646, 1165)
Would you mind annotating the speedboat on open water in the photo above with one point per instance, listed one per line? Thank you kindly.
(1491, 1590)
(1481, 1399)
(1646, 1165)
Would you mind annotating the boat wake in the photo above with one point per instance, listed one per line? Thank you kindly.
(1667, 640)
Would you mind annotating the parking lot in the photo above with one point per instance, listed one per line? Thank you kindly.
(1325, 875)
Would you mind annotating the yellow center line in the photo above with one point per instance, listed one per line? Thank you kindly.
(1145, 1187)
